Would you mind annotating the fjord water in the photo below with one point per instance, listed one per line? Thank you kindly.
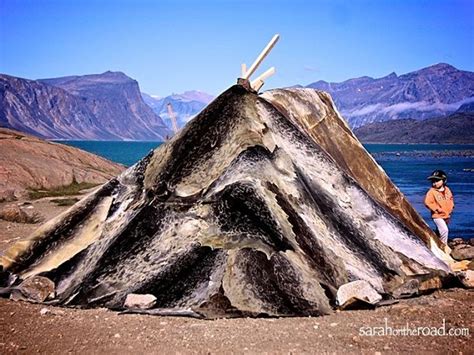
(408, 165)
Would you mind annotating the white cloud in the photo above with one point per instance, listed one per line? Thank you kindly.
(310, 68)
(421, 106)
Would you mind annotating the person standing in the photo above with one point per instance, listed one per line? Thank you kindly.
(439, 200)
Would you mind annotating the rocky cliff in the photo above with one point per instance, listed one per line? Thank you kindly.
(107, 106)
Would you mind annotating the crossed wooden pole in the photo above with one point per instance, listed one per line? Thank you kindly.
(257, 84)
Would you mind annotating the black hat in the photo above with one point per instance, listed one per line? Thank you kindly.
(438, 175)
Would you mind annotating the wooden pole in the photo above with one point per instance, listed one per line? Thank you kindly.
(258, 83)
(261, 57)
(243, 69)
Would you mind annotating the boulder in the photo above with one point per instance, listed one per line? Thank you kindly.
(35, 289)
(357, 291)
(456, 241)
(463, 252)
(408, 289)
(467, 278)
(134, 301)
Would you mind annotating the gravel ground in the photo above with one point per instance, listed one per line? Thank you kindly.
(33, 328)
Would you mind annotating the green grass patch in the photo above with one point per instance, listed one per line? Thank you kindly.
(65, 201)
(73, 189)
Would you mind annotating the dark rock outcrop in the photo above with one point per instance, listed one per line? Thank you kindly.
(466, 108)
(457, 129)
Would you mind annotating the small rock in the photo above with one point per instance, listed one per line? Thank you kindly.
(35, 289)
(359, 290)
(333, 324)
(117, 335)
(462, 265)
(408, 289)
(467, 278)
(7, 195)
(431, 284)
(44, 311)
(387, 302)
(14, 213)
(136, 301)
(463, 252)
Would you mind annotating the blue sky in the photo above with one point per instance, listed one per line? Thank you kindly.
(173, 46)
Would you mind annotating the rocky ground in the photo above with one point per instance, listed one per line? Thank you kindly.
(30, 162)
(33, 328)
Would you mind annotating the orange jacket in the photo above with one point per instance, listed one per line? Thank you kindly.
(440, 203)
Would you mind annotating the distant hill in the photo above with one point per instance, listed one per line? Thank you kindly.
(185, 105)
(435, 91)
(105, 106)
(469, 107)
(30, 162)
(456, 128)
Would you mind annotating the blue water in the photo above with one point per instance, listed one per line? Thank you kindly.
(408, 170)
(126, 153)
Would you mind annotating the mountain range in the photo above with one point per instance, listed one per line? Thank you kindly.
(104, 106)
(185, 105)
(457, 128)
(110, 106)
(435, 91)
